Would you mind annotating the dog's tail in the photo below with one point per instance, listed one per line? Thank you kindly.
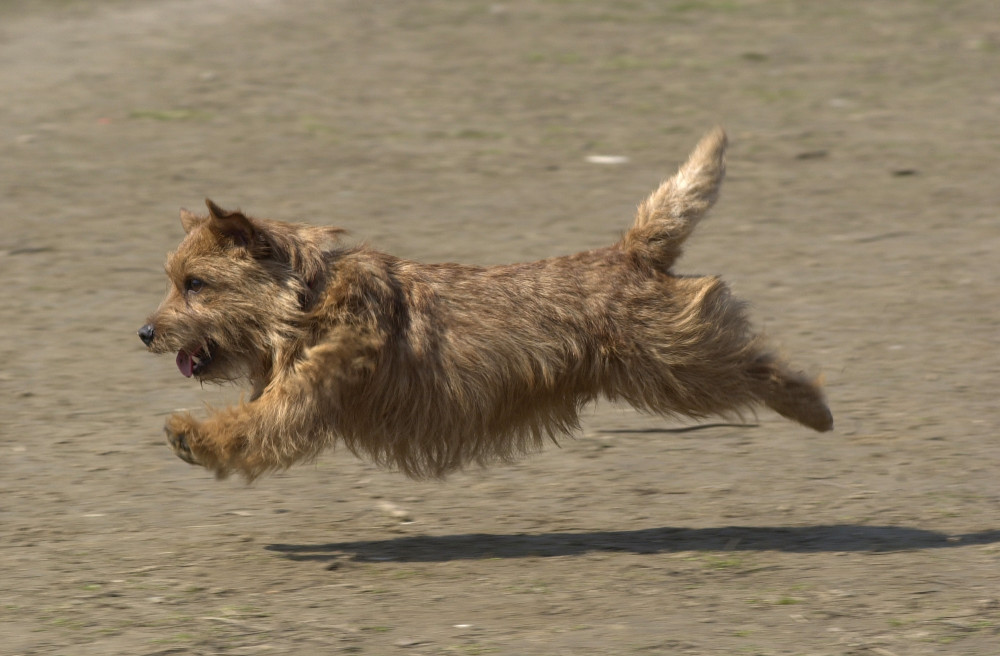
(669, 215)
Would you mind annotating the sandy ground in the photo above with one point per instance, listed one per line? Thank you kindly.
(860, 216)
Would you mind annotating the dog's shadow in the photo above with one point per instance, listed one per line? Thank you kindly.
(795, 539)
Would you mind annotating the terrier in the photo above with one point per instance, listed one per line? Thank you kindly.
(426, 368)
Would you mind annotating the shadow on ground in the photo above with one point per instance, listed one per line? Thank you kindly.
(806, 539)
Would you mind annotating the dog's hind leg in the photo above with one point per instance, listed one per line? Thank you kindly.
(791, 394)
(729, 349)
(695, 353)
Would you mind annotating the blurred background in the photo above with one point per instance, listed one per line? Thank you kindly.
(859, 217)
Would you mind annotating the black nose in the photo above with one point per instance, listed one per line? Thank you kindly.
(147, 333)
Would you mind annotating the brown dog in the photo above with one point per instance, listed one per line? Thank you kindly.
(427, 367)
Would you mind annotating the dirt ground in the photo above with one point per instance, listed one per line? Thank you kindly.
(860, 216)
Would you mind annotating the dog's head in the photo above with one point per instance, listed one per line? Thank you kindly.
(238, 286)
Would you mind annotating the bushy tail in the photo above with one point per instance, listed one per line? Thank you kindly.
(669, 215)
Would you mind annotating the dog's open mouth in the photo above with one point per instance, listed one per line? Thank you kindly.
(194, 364)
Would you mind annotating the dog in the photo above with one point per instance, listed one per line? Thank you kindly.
(426, 368)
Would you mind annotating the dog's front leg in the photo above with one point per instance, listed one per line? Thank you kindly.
(291, 421)
(219, 443)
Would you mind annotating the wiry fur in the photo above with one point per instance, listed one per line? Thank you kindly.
(428, 367)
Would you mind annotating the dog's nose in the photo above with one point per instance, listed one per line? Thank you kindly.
(147, 333)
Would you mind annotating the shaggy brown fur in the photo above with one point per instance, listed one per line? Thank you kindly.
(428, 367)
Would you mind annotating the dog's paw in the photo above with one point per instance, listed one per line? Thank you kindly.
(179, 430)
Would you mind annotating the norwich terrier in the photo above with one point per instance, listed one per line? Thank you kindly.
(427, 367)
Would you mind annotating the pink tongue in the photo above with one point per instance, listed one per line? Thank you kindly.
(184, 363)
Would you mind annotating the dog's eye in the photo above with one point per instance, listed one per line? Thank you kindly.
(193, 285)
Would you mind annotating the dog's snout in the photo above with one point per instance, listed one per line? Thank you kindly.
(147, 333)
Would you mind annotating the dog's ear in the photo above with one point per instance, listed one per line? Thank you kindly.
(231, 227)
(190, 220)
